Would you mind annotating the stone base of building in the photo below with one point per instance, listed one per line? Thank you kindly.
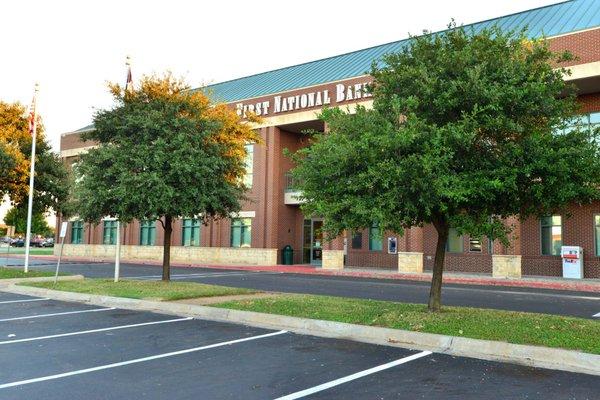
(333, 259)
(410, 262)
(179, 254)
(506, 266)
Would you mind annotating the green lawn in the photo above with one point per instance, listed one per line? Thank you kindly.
(155, 290)
(10, 273)
(40, 251)
(506, 326)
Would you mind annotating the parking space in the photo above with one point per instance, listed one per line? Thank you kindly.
(58, 350)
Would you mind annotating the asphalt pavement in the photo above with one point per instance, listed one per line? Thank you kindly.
(62, 350)
(579, 304)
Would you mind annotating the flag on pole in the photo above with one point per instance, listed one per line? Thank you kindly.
(129, 83)
(32, 116)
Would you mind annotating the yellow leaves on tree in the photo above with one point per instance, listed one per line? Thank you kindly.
(234, 132)
(15, 144)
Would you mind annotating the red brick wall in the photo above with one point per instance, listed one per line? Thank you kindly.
(577, 230)
(73, 141)
(464, 262)
(589, 103)
(364, 257)
(584, 45)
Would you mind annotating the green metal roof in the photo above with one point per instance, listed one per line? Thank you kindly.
(551, 20)
(84, 129)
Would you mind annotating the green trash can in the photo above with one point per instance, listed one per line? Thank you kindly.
(287, 255)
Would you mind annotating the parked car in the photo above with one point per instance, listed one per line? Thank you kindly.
(18, 243)
(35, 242)
(48, 242)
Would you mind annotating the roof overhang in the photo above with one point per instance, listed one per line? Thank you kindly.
(586, 77)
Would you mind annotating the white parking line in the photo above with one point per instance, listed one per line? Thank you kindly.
(23, 301)
(55, 314)
(330, 384)
(112, 328)
(137, 360)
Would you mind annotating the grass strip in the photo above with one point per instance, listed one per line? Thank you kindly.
(506, 326)
(21, 250)
(11, 273)
(155, 290)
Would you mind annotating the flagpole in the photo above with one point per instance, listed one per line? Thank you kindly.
(118, 238)
(31, 175)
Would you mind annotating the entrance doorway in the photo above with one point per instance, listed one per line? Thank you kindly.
(312, 249)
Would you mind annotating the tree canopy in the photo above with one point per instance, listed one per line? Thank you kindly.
(51, 177)
(17, 217)
(164, 152)
(466, 129)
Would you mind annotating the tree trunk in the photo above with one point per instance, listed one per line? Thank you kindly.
(166, 271)
(435, 293)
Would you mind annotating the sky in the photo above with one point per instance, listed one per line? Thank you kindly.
(73, 48)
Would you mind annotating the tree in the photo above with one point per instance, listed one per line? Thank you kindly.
(17, 217)
(466, 130)
(51, 177)
(164, 152)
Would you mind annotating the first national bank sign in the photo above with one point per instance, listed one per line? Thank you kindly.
(332, 96)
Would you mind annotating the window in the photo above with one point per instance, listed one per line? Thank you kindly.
(357, 240)
(147, 232)
(583, 121)
(77, 232)
(594, 120)
(597, 232)
(375, 239)
(551, 235)
(455, 242)
(190, 235)
(475, 245)
(490, 242)
(241, 232)
(249, 165)
(110, 232)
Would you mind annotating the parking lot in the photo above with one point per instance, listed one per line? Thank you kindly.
(60, 350)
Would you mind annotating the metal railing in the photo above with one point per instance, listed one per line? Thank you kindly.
(291, 184)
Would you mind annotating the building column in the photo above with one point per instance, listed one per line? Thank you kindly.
(333, 254)
(272, 197)
(507, 264)
(411, 260)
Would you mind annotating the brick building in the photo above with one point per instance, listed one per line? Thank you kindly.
(289, 100)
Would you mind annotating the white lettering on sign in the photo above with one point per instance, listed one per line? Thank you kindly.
(303, 101)
(339, 93)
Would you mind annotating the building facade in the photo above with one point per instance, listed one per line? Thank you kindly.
(289, 100)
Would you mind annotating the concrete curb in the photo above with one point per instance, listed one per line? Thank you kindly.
(8, 282)
(534, 356)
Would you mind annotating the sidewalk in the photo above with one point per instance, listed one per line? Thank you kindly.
(538, 282)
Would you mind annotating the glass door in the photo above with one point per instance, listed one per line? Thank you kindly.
(312, 241)
(316, 250)
(306, 241)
